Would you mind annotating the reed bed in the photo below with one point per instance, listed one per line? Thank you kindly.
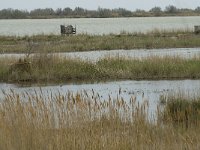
(51, 68)
(84, 42)
(79, 121)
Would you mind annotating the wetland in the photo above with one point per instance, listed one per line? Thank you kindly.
(111, 88)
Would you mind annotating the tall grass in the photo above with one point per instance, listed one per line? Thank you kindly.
(47, 68)
(151, 67)
(5, 66)
(80, 121)
(83, 42)
(182, 111)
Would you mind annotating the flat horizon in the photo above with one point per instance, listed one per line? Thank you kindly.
(95, 4)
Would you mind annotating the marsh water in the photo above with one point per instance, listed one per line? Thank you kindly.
(21, 27)
(94, 56)
(142, 90)
(152, 89)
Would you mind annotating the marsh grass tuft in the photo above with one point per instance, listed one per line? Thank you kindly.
(182, 111)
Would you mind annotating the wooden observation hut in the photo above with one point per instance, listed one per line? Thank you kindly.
(67, 29)
(197, 29)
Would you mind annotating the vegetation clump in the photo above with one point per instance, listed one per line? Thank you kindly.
(182, 112)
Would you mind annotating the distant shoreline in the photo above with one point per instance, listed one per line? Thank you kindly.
(64, 17)
(78, 12)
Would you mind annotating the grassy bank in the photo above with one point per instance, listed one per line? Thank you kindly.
(84, 42)
(76, 121)
(49, 68)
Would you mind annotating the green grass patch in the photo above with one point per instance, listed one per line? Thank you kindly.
(84, 42)
(48, 67)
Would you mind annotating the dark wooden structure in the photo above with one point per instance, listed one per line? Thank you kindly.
(67, 29)
(197, 29)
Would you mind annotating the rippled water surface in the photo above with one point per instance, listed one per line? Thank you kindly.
(94, 56)
(143, 90)
(96, 25)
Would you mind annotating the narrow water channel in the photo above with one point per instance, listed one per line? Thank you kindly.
(94, 56)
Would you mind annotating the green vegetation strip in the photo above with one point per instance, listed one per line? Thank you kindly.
(82, 121)
(84, 42)
(47, 68)
(79, 12)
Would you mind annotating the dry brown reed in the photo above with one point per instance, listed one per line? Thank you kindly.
(80, 121)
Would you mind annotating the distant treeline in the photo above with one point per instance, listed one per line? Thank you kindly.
(79, 12)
